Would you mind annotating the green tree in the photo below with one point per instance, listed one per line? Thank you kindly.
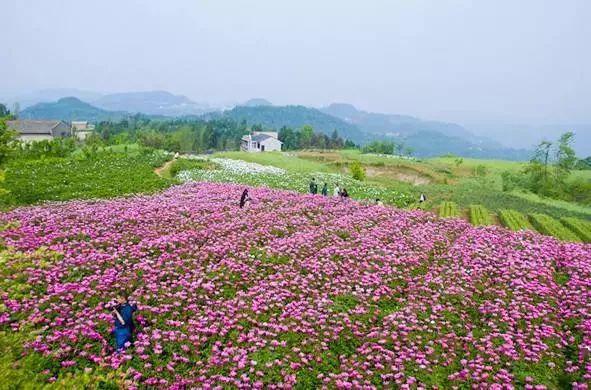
(306, 134)
(3, 111)
(7, 138)
(357, 170)
(289, 138)
(565, 156)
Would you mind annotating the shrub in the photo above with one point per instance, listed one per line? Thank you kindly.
(357, 170)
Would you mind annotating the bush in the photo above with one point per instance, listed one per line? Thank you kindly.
(357, 170)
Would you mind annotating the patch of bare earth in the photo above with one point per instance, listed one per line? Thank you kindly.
(401, 174)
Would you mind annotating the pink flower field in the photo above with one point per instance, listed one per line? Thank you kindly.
(296, 291)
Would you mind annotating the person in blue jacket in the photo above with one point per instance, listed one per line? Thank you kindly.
(123, 319)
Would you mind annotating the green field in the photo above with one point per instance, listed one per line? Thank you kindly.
(470, 189)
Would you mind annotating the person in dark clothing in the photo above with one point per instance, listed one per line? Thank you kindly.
(325, 189)
(313, 187)
(344, 194)
(123, 321)
(244, 198)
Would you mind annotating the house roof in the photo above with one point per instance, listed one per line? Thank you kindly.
(33, 127)
(260, 137)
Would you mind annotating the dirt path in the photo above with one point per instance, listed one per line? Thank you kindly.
(163, 168)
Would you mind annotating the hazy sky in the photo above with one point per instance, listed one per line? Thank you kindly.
(512, 60)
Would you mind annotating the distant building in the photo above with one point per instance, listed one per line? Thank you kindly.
(31, 130)
(82, 129)
(261, 141)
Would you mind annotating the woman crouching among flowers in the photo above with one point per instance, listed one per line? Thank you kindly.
(123, 321)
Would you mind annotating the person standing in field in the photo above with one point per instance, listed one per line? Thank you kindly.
(337, 190)
(313, 187)
(244, 198)
(344, 194)
(123, 321)
(325, 189)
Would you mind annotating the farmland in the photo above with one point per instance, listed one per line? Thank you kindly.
(298, 290)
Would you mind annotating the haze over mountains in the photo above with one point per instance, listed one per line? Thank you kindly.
(426, 137)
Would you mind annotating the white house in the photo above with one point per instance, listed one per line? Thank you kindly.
(30, 130)
(82, 129)
(261, 141)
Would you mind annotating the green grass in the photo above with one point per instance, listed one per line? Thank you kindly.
(514, 220)
(581, 228)
(551, 227)
(104, 176)
(448, 210)
(479, 216)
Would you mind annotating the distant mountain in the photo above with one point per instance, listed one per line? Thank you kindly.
(52, 95)
(257, 102)
(152, 103)
(391, 124)
(70, 109)
(292, 116)
(427, 138)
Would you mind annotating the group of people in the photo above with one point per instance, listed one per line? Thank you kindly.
(324, 191)
(245, 198)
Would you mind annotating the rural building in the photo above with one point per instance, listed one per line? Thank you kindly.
(261, 141)
(82, 129)
(31, 130)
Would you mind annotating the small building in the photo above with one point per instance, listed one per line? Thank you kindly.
(261, 141)
(82, 129)
(33, 130)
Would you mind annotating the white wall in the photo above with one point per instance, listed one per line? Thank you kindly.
(31, 138)
(271, 144)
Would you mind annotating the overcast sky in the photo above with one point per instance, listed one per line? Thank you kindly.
(509, 60)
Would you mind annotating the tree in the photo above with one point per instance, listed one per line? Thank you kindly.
(7, 138)
(289, 138)
(566, 158)
(357, 170)
(306, 134)
(16, 110)
(3, 110)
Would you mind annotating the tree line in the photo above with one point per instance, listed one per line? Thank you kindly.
(549, 172)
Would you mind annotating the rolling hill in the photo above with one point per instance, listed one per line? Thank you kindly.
(151, 103)
(293, 116)
(70, 109)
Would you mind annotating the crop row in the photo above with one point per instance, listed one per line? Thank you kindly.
(514, 220)
(448, 210)
(581, 228)
(551, 227)
(479, 216)
(567, 229)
